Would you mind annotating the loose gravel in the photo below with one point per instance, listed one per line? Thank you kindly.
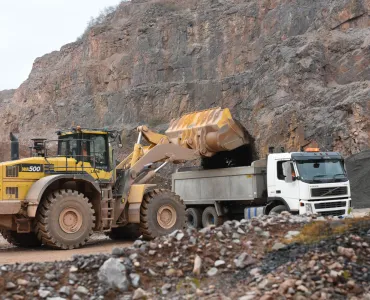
(250, 259)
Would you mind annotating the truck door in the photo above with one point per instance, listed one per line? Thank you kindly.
(289, 191)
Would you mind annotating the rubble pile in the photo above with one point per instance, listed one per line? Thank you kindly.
(247, 259)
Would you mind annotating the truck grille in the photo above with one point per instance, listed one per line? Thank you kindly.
(333, 212)
(327, 192)
(330, 204)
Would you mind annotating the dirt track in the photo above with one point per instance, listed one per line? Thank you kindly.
(97, 244)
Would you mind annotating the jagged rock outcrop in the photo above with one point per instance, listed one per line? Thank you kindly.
(291, 71)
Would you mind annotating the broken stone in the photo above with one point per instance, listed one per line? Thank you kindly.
(219, 263)
(197, 265)
(139, 294)
(10, 286)
(212, 272)
(278, 246)
(113, 274)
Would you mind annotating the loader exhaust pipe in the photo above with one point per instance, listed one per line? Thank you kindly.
(14, 147)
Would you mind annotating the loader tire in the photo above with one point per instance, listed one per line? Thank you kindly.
(161, 213)
(194, 217)
(210, 217)
(130, 232)
(24, 240)
(65, 220)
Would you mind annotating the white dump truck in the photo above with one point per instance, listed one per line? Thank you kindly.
(299, 182)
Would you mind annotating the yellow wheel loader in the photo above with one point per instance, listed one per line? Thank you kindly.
(61, 194)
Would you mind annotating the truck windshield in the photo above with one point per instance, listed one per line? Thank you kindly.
(321, 171)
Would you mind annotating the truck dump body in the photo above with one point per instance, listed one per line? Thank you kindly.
(229, 184)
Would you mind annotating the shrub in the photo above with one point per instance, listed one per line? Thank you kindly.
(100, 19)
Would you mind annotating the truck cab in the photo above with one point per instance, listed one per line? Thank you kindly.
(308, 182)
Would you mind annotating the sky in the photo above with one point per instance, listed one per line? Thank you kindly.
(32, 28)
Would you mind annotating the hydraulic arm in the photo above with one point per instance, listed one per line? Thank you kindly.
(199, 134)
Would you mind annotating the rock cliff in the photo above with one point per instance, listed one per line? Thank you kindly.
(292, 71)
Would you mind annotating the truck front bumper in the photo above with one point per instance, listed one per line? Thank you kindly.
(329, 207)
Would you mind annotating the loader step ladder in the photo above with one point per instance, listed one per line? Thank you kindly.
(107, 209)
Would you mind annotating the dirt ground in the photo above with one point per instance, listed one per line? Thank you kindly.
(98, 244)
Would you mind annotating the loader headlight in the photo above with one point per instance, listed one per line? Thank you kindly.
(309, 208)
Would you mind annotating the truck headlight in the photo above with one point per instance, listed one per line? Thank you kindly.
(309, 208)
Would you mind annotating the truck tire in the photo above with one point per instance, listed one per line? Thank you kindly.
(65, 220)
(25, 240)
(210, 217)
(129, 232)
(194, 217)
(278, 209)
(161, 213)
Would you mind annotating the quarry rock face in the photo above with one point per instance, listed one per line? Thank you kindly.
(293, 72)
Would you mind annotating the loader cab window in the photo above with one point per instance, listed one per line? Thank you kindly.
(68, 146)
(97, 150)
(92, 148)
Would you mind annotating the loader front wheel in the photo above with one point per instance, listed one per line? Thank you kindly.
(24, 240)
(161, 213)
(65, 220)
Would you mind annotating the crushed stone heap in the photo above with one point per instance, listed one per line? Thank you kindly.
(250, 259)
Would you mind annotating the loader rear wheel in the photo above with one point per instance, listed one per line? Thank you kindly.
(65, 220)
(129, 232)
(194, 217)
(161, 213)
(210, 217)
(25, 240)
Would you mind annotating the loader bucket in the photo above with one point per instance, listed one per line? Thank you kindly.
(208, 131)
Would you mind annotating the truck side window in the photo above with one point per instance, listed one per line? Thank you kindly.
(280, 173)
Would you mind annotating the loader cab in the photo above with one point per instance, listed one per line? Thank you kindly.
(87, 146)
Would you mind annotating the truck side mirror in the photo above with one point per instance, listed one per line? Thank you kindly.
(287, 171)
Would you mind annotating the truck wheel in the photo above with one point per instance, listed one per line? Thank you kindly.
(129, 232)
(25, 240)
(210, 217)
(161, 213)
(278, 209)
(194, 217)
(65, 220)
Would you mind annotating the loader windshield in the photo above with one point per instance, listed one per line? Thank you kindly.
(92, 148)
(313, 171)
